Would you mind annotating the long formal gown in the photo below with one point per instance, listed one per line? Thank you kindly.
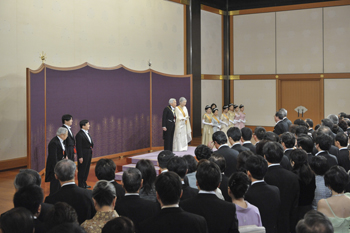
(241, 124)
(231, 117)
(207, 130)
(182, 134)
(224, 118)
(216, 124)
(237, 119)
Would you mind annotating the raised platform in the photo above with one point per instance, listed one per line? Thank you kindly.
(152, 157)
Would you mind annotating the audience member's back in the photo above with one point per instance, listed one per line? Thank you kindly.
(17, 220)
(192, 168)
(119, 225)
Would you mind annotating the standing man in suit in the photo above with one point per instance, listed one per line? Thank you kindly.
(341, 141)
(259, 134)
(168, 124)
(288, 184)
(84, 153)
(246, 137)
(264, 196)
(230, 155)
(288, 143)
(281, 126)
(234, 136)
(56, 153)
(307, 144)
(323, 144)
(220, 215)
(219, 160)
(67, 121)
(311, 125)
(285, 119)
(171, 218)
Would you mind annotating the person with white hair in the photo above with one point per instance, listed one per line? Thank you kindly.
(182, 134)
(168, 124)
(56, 152)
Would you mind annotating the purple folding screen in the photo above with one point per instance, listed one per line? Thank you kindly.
(117, 102)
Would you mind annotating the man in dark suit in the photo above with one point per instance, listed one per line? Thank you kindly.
(219, 160)
(56, 153)
(341, 141)
(311, 125)
(323, 143)
(230, 155)
(281, 126)
(288, 144)
(168, 124)
(80, 199)
(132, 206)
(171, 218)
(265, 197)
(220, 215)
(288, 184)
(234, 136)
(67, 121)
(259, 134)
(105, 170)
(306, 143)
(180, 167)
(247, 134)
(84, 152)
(285, 119)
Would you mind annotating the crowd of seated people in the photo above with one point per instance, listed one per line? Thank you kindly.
(294, 179)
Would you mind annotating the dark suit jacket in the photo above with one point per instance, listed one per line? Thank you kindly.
(174, 220)
(331, 159)
(311, 131)
(280, 127)
(231, 156)
(55, 154)
(239, 148)
(220, 215)
(250, 146)
(83, 144)
(289, 123)
(188, 192)
(224, 188)
(309, 156)
(70, 141)
(119, 190)
(136, 208)
(80, 199)
(285, 163)
(343, 159)
(168, 121)
(267, 199)
(333, 150)
(288, 184)
(45, 209)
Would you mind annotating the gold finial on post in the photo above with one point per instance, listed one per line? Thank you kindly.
(43, 57)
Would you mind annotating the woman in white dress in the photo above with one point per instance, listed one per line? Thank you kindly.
(182, 133)
(207, 126)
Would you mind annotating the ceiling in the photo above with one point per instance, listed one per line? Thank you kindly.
(232, 5)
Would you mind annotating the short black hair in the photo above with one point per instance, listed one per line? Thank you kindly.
(68, 227)
(247, 134)
(301, 129)
(306, 143)
(343, 115)
(60, 213)
(260, 132)
(342, 139)
(178, 165)
(279, 114)
(27, 177)
(317, 126)
(273, 152)
(271, 136)
(336, 178)
(164, 157)
(219, 137)
(299, 122)
(29, 197)
(324, 141)
(66, 117)
(105, 169)
(238, 184)
(343, 125)
(202, 152)
(327, 122)
(191, 162)
(310, 122)
(257, 166)
(83, 123)
(288, 139)
(17, 220)
(208, 175)
(234, 133)
(293, 128)
(242, 158)
(104, 193)
(219, 160)
(121, 225)
(314, 222)
(132, 180)
(149, 174)
(259, 147)
(319, 165)
(169, 187)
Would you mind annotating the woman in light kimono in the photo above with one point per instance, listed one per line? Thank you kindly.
(207, 126)
(231, 115)
(182, 133)
(215, 120)
(241, 123)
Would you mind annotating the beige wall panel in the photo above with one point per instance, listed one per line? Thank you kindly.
(337, 39)
(211, 43)
(259, 100)
(299, 41)
(211, 93)
(254, 43)
(71, 32)
(336, 98)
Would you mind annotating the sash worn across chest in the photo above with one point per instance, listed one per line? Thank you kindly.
(226, 116)
(182, 111)
(216, 118)
(209, 118)
(172, 112)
